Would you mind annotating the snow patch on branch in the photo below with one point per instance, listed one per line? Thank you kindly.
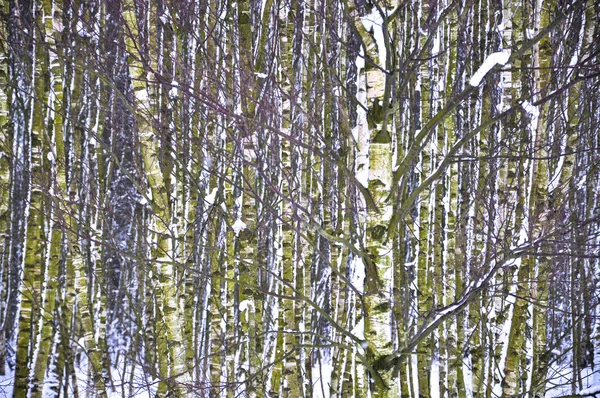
(245, 305)
(498, 58)
(210, 198)
(531, 109)
(238, 226)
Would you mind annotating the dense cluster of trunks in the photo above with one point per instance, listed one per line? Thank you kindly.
(299, 198)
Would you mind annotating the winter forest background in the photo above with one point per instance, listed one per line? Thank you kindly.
(288, 198)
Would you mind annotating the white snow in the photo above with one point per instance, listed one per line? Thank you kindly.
(362, 176)
(468, 374)
(321, 374)
(581, 181)
(261, 75)
(555, 179)
(358, 274)
(239, 201)
(436, 49)
(575, 57)
(7, 382)
(534, 112)
(238, 226)
(81, 30)
(359, 329)
(142, 95)
(174, 89)
(244, 305)
(529, 33)
(374, 22)
(223, 14)
(51, 384)
(498, 58)
(141, 386)
(360, 61)
(210, 199)
(434, 379)
(560, 377)
(415, 375)
(501, 28)
(531, 109)
(591, 390)
(164, 18)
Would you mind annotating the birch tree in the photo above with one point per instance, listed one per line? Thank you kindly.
(299, 198)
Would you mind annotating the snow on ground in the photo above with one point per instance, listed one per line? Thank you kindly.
(321, 376)
(141, 386)
(559, 383)
(123, 383)
(7, 382)
(357, 274)
(561, 375)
